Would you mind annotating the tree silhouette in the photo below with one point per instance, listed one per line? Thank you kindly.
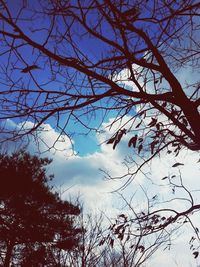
(33, 219)
(82, 49)
(70, 61)
(117, 243)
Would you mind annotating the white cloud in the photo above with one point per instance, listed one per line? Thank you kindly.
(81, 175)
(180, 254)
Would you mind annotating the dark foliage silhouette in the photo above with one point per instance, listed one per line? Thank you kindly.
(33, 219)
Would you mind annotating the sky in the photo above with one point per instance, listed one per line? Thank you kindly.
(83, 176)
(84, 171)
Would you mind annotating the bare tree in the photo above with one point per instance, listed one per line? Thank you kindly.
(88, 253)
(73, 61)
(124, 243)
(135, 232)
(63, 60)
(155, 223)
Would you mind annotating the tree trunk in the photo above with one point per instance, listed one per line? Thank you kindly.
(8, 254)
